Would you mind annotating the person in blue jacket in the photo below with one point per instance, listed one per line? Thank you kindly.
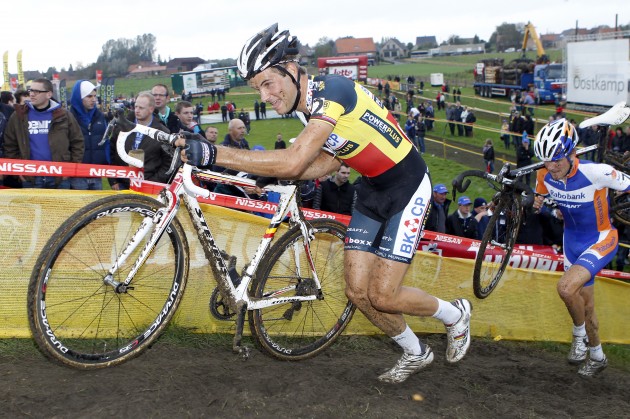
(83, 105)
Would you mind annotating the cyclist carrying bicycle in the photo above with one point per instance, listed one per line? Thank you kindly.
(346, 122)
(580, 188)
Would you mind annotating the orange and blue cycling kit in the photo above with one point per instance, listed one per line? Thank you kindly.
(590, 240)
(395, 191)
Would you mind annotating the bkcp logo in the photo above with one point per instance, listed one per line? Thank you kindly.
(413, 224)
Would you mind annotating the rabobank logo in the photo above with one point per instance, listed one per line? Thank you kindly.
(38, 127)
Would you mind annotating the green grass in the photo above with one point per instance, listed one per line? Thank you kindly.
(129, 87)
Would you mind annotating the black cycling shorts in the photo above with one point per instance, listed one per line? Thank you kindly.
(391, 210)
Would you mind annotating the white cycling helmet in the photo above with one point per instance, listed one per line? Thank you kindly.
(556, 140)
(266, 49)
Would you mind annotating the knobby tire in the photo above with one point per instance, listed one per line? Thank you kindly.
(491, 261)
(78, 320)
(296, 331)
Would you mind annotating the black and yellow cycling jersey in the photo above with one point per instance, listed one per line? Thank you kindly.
(365, 135)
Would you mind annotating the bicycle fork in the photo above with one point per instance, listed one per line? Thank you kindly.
(158, 222)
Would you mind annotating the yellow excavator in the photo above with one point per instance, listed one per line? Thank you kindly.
(541, 57)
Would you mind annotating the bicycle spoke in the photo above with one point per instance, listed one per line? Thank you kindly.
(301, 329)
(496, 245)
(88, 322)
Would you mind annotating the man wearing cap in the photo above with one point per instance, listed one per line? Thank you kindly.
(480, 212)
(524, 156)
(42, 129)
(461, 222)
(93, 125)
(436, 220)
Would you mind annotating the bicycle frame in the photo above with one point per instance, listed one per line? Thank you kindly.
(182, 188)
(539, 165)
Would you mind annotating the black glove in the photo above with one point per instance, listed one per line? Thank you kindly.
(191, 135)
(263, 181)
(200, 152)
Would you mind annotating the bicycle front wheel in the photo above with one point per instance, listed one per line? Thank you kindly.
(497, 244)
(77, 318)
(300, 330)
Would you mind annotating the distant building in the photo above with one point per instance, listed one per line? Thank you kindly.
(307, 54)
(393, 48)
(425, 42)
(355, 46)
(550, 40)
(146, 69)
(177, 65)
(459, 49)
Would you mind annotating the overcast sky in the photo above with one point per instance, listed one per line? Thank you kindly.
(63, 32)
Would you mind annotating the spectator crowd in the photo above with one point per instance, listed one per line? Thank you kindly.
(35, 126)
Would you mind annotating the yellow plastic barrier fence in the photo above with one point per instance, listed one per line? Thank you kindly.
(525, 305)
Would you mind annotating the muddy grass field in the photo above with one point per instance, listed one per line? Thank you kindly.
(203, 378)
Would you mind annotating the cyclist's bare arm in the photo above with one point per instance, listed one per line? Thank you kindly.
(324, 164)
(304, 159)
(290, 163)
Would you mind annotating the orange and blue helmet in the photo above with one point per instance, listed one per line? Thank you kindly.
(556, 140)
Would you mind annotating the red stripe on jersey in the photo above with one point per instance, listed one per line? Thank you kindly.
(370, 161)
(325, 119)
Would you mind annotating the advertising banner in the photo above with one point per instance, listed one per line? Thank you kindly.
(5, 62)
(190, 83)
(21, 82)
(539, 258)
(63, 93)
(598, 72)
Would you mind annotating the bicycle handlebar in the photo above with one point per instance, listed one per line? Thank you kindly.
(520, 171)
(461, 185)
(127, 127)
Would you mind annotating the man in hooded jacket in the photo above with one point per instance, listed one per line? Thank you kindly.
(93, 125)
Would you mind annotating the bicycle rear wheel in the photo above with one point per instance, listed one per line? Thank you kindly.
(621, 207)
(296, 331)
(82, 322)
(497, 244)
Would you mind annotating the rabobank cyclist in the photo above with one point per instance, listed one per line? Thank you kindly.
(580, 188)
(347, 123)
